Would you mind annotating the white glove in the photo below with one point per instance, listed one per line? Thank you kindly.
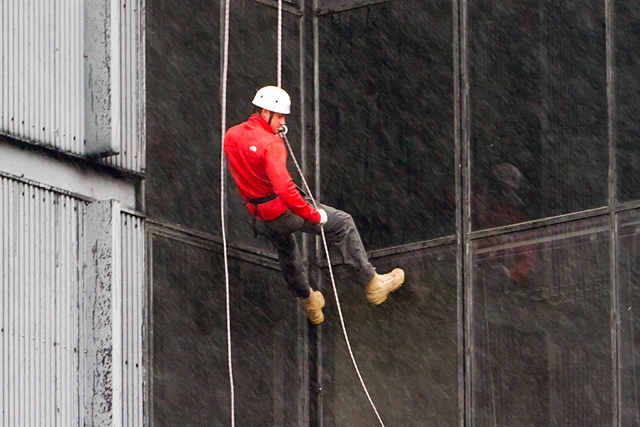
(323, 216)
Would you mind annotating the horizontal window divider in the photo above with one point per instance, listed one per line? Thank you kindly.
(399, 250)
(286, 6)
(539, 223)
(353, 5)
(626, 206)
(211, 242)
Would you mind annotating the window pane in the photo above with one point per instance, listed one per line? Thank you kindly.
(406, 348)
(190, 374)
(538, 107)
(627, 70)
(253, 64)
(183, 104)
(386, 94)
(183, 113)
(629, 290)
(542, 327)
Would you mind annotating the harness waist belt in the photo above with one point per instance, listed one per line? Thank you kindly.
(261, 200)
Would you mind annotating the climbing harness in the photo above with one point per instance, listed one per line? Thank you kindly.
(283, 134)
(256, 214)
(256, 202)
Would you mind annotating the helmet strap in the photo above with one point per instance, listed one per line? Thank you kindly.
(271, 113)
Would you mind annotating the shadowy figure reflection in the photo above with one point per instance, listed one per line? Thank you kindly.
(508, 262)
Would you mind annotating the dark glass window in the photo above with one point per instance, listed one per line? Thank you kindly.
(190, 375)
(629, 293)
(183, 104)
(542, 327)
(183, 113)
(253, 58)
(386, 94)
(538, 108)
(406, 348)
(627, 84)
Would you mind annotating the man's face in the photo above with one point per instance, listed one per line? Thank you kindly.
(277, 121)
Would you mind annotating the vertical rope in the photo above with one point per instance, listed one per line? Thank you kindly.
(279, 66)
(333, 283)
(223, 126)
(324, 239)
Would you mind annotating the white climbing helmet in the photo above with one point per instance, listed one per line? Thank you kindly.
(273, 99)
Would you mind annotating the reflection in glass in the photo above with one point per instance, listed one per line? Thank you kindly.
(628, 259)
(538, 102)
(541, 327)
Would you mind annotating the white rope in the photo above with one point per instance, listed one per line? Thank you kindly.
(324, 239)
(223, 126)
(279, 66)
(333, 282)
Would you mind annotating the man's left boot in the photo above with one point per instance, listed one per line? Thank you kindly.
(313, 304)
(379, 288)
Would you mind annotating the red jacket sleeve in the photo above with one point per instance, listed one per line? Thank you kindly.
(276, 168)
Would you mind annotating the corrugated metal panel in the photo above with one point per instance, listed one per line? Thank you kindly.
(39, 333)
(43, 74)
(133, 311)
(132, 111)
(40, 320)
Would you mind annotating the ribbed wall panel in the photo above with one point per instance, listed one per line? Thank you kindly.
(42, 67)
(132, 140)
(39, 333)
(41, 271)
(133, 310)
(42, 76)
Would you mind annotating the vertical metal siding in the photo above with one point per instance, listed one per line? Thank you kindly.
(42, 76)
(132, 111)
(41, 63)
(39, 333)
(133, 312)
(40, 239)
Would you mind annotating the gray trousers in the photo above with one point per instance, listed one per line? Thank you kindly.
(340, 230)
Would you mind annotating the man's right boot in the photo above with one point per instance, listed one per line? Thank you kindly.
(313, 305)
(379, 288)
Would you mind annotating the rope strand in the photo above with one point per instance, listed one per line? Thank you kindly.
(223, 125)
(333, 282)
(283, 134)
(224, 77)
(279, 43)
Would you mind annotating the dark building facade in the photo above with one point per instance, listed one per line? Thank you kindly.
(489, 148)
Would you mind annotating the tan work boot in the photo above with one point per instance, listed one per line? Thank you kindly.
(379, 288)
(313, 304)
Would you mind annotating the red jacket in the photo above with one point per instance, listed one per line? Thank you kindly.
(257, 159)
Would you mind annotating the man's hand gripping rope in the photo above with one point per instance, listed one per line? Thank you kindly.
(323, 214)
